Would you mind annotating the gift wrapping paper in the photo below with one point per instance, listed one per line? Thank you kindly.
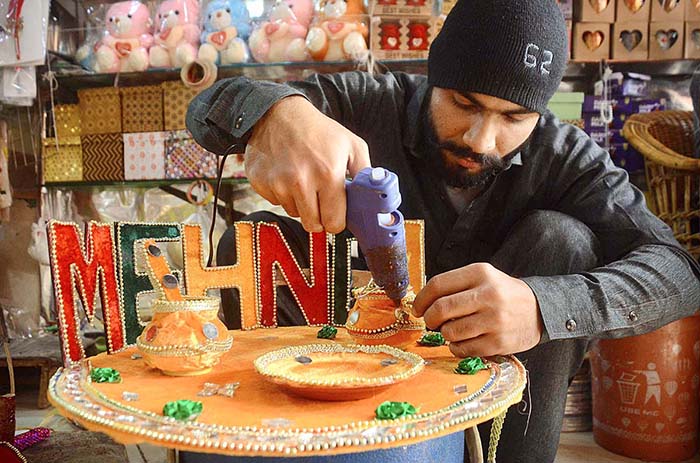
(184, 158)
(103, 157)
(142, 109)
(62, 163)
(67, 120)
(100, 110)
(176, 99)
(144, 156)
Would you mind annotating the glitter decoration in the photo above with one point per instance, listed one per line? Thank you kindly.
(393, 410)
(130, 396)
(460, 389)
(183, 410)
(327, 332)
(432, 339)
(210, 331)
(33, 436)
(470, 366)
(303, 359)
(389, 361)
(136, 356)
(105, 375)
(212, 389)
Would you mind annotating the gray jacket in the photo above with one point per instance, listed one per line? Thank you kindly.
(643, 268)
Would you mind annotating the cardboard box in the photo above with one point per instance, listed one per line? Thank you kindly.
(142, 109)
(567, 8)
(67, 118)
(400, 37)
(668, 10)
(176, 100)
(144, 156)
(601, 11)
(633, 11)
(566, 105)
(613, 136)
(666, 40)
(62, 162)
(692, 10)
(593, 122)
(624, 84)
(100, 110)
(103, 157)
(623, 105)
(626, 157)
(184, 158)
(591, 41)
(403, 7)
(630, 41)
(692, 40)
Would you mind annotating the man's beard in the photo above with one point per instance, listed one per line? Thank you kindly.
(452, 173)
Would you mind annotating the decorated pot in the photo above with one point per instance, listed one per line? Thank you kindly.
(375, 319)
(184, 338)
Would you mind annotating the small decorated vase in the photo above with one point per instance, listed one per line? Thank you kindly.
(184, 338)
(375, 319)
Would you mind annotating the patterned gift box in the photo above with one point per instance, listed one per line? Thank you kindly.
(62, 162)
(184, 158)
(176, 99)
(144, 156)
(100, 110)
(103, 157)
(142, 109)
(67, 120)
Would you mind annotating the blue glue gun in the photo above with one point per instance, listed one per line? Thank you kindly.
(373, 217)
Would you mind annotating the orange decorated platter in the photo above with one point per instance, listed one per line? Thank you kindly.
(263, 418)
(337, 372)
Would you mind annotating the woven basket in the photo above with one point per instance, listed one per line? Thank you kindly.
(142, 109)
(666, 140)
(176, 99)
(100, 110)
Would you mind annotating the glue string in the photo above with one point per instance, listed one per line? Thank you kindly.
(525, 406)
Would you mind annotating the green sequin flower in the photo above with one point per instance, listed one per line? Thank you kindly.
(105, 375)
(470, 365)
(327, 332)
(183, 410)
(432, 339)
(392, 410)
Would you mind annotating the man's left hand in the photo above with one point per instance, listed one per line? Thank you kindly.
(481, 311)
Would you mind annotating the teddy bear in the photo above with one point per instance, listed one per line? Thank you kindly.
(418, 36)
(226, 26)
(341, 33)
(390, 36)
(282, 36)
(124, 46)
(177, 34)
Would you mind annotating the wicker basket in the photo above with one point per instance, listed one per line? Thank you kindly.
(666, 140)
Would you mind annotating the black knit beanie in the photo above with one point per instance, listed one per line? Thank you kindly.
(515, 50)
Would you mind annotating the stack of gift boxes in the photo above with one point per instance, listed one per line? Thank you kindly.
(636, 30)
(132, 133)
(403, 29)
(627, 94)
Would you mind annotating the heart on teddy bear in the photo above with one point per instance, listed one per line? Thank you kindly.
(123, 48)
(218, 37)
(669, 5)
(630, 39)
(593, 40)
(634, 5)
(271, 28)
(666, 39)
(599, 5)
(335, 27)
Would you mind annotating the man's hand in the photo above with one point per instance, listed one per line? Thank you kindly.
(297, 158)
(481, 311)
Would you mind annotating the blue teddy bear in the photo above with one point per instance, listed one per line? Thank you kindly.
(226, 28)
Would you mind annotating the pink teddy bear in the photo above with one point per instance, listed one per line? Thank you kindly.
(177, 34)
(282, 38)
(124, 47)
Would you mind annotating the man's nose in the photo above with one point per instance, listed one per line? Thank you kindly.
(481, 136)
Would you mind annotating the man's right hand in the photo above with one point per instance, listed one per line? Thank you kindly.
(297, 157)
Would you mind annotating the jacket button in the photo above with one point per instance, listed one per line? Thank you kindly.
(239, 122)
(633, 316)
(571, 324)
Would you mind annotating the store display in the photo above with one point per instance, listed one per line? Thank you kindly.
(403, 37)
(403, 7)
(67, 120)
(142, 108)
(666, 40)
(692, 40)
(668, 10)
(591, 41)
(340, 32)
(100, 110)
(144, 155)
(184, 158)
(124, 46)
(63, 160)
(226, 28)
(103, 157)
(176, 99)
(176, 38)
(596, 11)
(636, 11)
(631, 41)
(692, 10)
(282, 37)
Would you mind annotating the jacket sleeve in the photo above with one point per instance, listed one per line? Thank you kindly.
(645, 279)
(224, 114)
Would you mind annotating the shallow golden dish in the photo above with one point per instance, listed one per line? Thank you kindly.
(336, 372)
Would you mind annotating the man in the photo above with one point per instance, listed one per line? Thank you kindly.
(535, 242)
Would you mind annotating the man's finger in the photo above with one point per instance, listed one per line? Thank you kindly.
(450, 307)
(307, 205)
(481, 346)
(359, 157)
(441, 285)
(464, 328)
(333, 205)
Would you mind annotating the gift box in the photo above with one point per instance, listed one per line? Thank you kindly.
(591, 41)
(591, 122)
(144, 156)
(142, 109)
(100, 110)
(692, 10)
(402, 37)
(630, 41)
(599, 11)
(610, 138)
(566, 105)
(692, 40)
(626, 157)
(624, 84)
(67, 120)
(567, 8)
(666, 40)
(633, 11)
(623, 105)
(176, 100)
(184, 158)
(668, 10)
(62, 162)
(402, 7)
(103, 157)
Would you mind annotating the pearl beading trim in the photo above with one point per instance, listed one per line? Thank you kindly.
(190, 304)
(184, 350)
(262, 364)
